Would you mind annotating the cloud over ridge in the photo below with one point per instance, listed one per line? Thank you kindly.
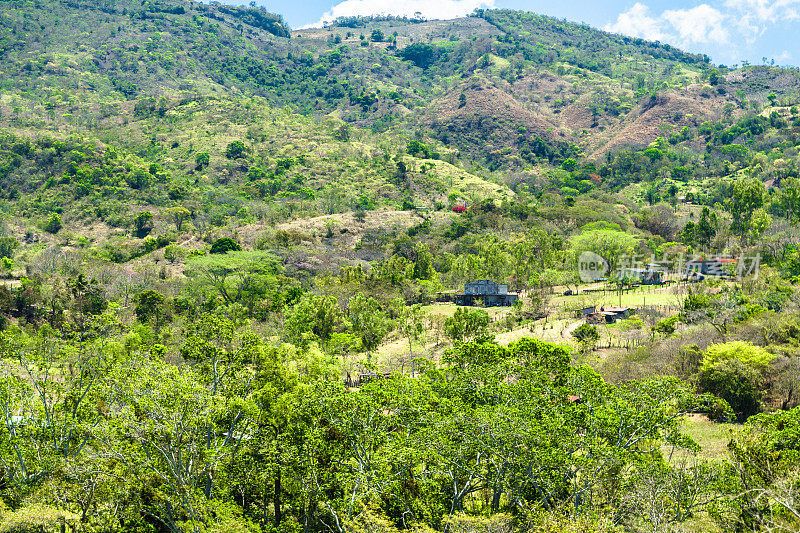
(700, 24)
(727, 24)
(441, 9)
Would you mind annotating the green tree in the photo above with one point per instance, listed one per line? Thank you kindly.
(235, 150)
(688, 233)
(760, 223)
(52, 407)
(467, 324)
(151, 306)
(652, 194)
(587, 336)
(734, 371)
(747, 196)
(224, 245)
(170, 437)
(422, 55)
(423, 262)
(143, 224)
(314, 317)
(369, 321)
(744, 352)
(140, 179)
(201, 160)
(764, 493)
(411, 326)
(53, 224)
(179, 215)
(789, 198)
(735, 382)
(773, 99)
(6, 267)
(252, 279)
(7, 247)
(611, 245)
(706, 228)
(173, 252)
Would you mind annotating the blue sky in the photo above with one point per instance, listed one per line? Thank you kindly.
(729, 31)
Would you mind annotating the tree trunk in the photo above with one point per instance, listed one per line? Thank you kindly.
(496, 493)
(277, 497)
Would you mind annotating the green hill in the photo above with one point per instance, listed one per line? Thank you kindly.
(230, 252)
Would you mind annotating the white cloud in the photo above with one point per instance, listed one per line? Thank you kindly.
(637, 22)
(442, 9)
(731, 22)
(753, 17)
(766, 10)
(701, 24)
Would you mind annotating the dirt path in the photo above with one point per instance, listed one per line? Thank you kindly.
(567, 331)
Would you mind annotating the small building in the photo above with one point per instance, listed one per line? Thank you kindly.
(622, 312)
(489, 292)
(645, 276)
(716, 266)
(608, 315)
(364, 378)
(586, 311)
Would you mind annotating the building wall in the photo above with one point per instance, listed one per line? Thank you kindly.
(488, 300)
(483, 286)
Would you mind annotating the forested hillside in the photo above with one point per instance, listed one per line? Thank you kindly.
(230, 253)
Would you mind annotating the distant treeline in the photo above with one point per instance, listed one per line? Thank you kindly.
(361, 21)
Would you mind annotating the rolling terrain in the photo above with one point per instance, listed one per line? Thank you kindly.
(229, 252)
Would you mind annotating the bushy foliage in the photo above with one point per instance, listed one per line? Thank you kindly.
(224, 245)
(268, 389)
(755, 357)
(53, 224)
(38, 519)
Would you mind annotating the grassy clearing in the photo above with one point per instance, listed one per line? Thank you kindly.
(712, 437)
(447, 309)
(9, 283)
(640, 296)
(556, 331)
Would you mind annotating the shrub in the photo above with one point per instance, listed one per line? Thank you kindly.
(235, 150)
(497, 523)
(587, 335)
(752, 356)
(53, 224)
(143, 224)
(667, 325)
(39, 519)
(225, 245)
(173, 253)
(735, 382)
(7, 246)
(140, 179)
(202, 160)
